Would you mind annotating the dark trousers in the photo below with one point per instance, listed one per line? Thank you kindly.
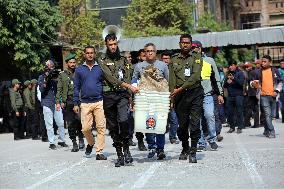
(218, 124)
(18, 124)
(33, 122)
(115, 108)
(282, 105)
(188, 106)
(252, 110)
(73, 121)
(235, 107)
(42, 128)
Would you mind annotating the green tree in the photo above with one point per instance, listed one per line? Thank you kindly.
(27, 30)
(220, 58)
(157, 18)
(208, 21)
(80, 27)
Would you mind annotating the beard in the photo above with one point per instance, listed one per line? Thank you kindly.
(115, 55)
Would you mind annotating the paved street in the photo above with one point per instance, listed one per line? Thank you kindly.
(248, 160)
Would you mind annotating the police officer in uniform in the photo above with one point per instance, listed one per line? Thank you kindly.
(30, 109)
(185, 85)
(18, 113)
(64, 99)
(33, 113)
(116, 99)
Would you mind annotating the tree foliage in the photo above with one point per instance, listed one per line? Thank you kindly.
(27, 30)
(208, 21)
(234, 55)
(157, 18)
(80, 28)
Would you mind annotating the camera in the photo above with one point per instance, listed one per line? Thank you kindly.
(51, 74)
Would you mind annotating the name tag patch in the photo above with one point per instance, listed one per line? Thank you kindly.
(187, 72)
(110, 64)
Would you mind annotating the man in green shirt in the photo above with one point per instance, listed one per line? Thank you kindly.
(27, 106)
(187, 93)
(18, 113)
(64, 99)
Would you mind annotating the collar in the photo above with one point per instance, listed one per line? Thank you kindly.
(188, 55)
(69, 72)
(95, 63)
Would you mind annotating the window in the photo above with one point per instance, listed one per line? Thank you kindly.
(249, 21)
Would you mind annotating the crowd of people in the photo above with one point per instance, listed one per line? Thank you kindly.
(98, 94)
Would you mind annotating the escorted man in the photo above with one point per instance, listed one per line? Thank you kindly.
(185, 85)
(64, 100)
(47, 86)
(116, 98)
(18, 114)
(156, 142)
(270, 82)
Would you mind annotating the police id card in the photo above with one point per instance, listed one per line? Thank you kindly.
(187, 72)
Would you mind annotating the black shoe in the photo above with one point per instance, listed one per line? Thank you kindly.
(183, 155)
(63, 144)
(81, 144)
(128, 158)
(255, 126)
(17, 138)
(119, 162)
(201, 148)
(266, 133)
(89, 150)
(35, 138)
(75, 147)
(213, 146)
(141, 146)
(239, 131)
(52, 147)
(44, 140)
(101, 157)
(192, 158)
(131, 143)
(231, 130)
(161, 154)
(219, 138)
(271, 135)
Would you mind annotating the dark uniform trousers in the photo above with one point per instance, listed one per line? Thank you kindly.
(32, 122)
(18, 123)
(73, 121)
(188, 106)
(115, 107)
